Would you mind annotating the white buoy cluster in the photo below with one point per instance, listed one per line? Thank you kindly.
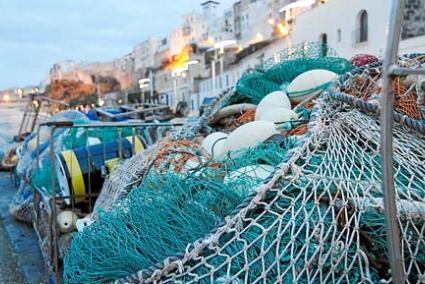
(273, 109)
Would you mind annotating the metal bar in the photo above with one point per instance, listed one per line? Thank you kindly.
(400, 71)
(70, 124)
(47, 99)
(120, 148)
(54, 212)
(89, 162)
(37, 112)
(109, 115)
(21, 127)
(393, 231)
(38, 146)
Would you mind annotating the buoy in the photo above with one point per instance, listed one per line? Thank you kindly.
(248, 135)
(213, 143)
(309, 84)
(277, 115)
(83, 223)
(44, 135)
(273, 100)
(66, 221)
(256, 172)
(193, 164)
(363, 59)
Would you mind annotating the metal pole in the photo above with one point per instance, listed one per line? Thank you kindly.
(175, 91)
(221, 66)
(151, 84)
(393, 231)
(213, 73)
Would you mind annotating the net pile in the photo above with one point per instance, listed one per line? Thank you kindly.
(320, 218)
(173, 206)
(132, 171)
(317, 219)
(285, 67)
(366, 84)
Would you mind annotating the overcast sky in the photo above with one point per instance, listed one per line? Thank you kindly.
(34, 34)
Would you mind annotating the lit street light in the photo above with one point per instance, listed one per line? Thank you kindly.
(143, 84)
(219, 48)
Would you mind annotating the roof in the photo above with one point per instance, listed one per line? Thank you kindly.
(209, 2)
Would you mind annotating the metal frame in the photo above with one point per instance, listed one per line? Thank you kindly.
(390, 70)
(45, 208)
(133, 111)
(32, 112)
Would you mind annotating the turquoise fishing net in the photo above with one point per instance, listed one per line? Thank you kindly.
(253, 87)
(288, 70)
(165, 213)
(156, 220)
(320, 219)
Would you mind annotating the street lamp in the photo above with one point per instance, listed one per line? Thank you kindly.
(219, 48)
(143, 84)
(188, 64)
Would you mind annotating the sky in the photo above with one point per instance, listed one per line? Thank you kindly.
(35, 34)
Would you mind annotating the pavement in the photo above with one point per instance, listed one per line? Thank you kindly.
(21, 260)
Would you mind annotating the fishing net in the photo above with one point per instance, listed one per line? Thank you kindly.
(173, 206)
(285, 67)
(288, 70)
(254, 87)
(132, 171)
(320, 218)
(366, 83)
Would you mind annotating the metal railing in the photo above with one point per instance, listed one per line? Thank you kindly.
(47, 205)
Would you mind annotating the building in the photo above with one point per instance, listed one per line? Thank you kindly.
(348, 26)
(144, 54)
(251, 26)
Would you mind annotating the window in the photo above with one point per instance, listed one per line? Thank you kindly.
(324, 41)
(338, 35)
(363, 26)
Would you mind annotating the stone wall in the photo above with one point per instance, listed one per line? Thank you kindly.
(414, 19)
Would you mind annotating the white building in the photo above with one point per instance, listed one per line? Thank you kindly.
(348, 26)
(144, 53)
(251, 25)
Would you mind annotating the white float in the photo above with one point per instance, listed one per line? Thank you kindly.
(66, 221)
(277, 115)
(256, 172)
(44, 135)
(248, 135)
(273, 100)
(81, 224)
(309, 84)
(213, 143)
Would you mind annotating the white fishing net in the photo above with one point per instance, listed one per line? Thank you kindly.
(320, 218)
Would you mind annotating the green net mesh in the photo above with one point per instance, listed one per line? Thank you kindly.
(163, 215)
(320, 219)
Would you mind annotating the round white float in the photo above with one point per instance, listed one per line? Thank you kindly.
(81, 224)
(277, 115)
(44, 136)
(213, 143)
(273, 100)
(66, 221)
(257, 172)
(249, 135)
(309, 84)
